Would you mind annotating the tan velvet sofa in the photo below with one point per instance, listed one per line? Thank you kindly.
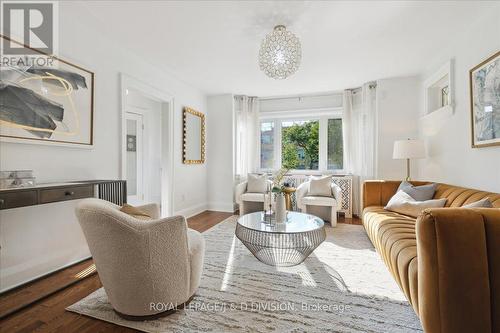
(447, 261)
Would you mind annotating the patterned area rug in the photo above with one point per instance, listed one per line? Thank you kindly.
(342, 287)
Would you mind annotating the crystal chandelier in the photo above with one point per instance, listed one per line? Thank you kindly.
(280, 53)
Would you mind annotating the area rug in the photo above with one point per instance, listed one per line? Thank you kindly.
(342, 287)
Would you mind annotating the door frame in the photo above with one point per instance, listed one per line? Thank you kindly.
(167, 136)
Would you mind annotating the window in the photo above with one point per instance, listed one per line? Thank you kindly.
(267, 145)
(335, 145)
(302, 144)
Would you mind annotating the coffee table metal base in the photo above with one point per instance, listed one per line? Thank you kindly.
(280, 249)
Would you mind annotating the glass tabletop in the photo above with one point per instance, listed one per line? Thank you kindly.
(295, 222)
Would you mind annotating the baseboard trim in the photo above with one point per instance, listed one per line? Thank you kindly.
(192, 211)
(222, 207)
(89, 272)
(43, 275)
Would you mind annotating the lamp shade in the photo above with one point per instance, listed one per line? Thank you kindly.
(408, 149)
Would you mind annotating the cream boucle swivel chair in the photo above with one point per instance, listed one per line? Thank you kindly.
(145, 266)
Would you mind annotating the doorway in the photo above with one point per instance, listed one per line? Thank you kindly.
(147, 149)
(135, 162)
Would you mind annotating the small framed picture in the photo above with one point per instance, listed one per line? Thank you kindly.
(131, 143)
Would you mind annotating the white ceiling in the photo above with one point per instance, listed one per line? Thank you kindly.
(214, 45)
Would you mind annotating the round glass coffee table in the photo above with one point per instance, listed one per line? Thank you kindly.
(281, 244)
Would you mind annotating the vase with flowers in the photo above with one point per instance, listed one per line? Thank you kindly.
(278, 187)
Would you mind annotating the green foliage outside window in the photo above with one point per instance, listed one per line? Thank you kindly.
(300, 145)
(335, 145)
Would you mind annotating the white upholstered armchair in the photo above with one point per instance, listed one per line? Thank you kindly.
(250, 201)
(324, 206)
(142, 262)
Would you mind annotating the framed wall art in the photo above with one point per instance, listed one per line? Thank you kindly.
(484, 80)
(47, 104)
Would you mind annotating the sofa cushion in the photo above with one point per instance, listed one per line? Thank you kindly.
(483, 203)
(257, 183)
(320, 186)
(319, 201)
(379, 192)
(419, 193)
(393, 235)
(460, 196)
(255, 197)
(403, 203)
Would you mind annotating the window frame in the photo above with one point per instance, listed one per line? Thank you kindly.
(278, 117)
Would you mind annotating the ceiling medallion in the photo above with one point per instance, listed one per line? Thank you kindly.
(280, 53)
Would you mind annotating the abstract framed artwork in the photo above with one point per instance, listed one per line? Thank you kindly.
(49, 104)
(484, 80)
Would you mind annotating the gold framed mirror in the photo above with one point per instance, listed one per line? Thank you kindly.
(193, 147)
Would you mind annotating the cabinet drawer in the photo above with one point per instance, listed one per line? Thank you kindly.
(18, 199)
(67, 193)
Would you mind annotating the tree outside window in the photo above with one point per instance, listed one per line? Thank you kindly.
(300, 145)
(335, 145)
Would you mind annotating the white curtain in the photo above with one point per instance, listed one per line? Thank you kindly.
(247, 135)
(360, 124)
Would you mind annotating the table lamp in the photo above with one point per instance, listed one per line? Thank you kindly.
(408, 149)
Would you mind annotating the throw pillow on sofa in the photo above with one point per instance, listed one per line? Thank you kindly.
(257, 183)
(404, 204)
(419, 193)
(483, 203)
(320, 186)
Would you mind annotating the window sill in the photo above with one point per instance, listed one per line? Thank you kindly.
(310, 172)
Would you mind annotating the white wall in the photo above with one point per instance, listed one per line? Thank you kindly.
(397, 115)
(451, 158)
(318, 101)
(220, 149)
(37, 240)
(80, 43)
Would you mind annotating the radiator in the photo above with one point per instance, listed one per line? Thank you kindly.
(343, 181)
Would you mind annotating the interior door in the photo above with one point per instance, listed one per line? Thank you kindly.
(135, 161)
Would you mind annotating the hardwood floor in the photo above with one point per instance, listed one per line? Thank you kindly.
(207, 220)
(49, 315)
(353, 220)
(24, 296)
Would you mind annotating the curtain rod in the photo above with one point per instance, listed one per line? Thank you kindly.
(299, 96)
(371, 85)
(241, 96)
